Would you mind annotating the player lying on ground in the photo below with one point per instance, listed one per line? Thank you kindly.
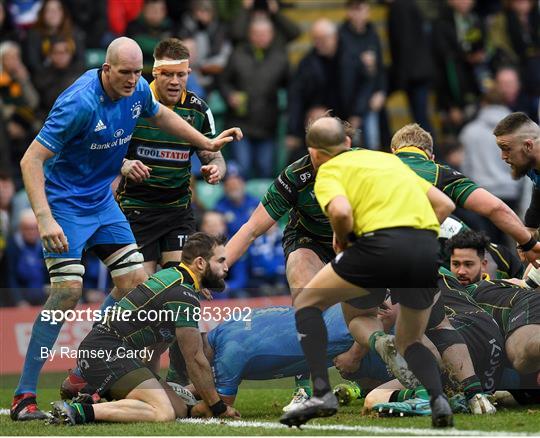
(139, 394)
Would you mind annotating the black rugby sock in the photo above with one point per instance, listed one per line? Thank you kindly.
(424, 366)
(313, 337)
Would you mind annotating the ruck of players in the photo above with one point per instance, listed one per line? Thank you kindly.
(423, 315)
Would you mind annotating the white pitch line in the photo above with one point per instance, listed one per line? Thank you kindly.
(344, 428)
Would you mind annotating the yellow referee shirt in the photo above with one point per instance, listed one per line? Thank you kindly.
(383, 192)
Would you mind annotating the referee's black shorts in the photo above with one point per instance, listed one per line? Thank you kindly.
(401, 260)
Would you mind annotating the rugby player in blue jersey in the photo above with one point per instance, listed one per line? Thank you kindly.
(266, 347)
(68, 170)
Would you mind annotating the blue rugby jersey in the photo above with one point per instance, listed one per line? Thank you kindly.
(268, 348)
(89, 134)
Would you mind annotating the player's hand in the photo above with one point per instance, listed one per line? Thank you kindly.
(52, 235)
(533, 255)
(346, 363)
(230, 413)
(516, 281)
(211, 174)
(135, 170)
(206, 293)
(231, 134)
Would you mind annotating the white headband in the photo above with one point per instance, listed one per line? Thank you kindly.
(159, 63)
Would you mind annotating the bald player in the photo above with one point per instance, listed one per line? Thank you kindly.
(68, 170)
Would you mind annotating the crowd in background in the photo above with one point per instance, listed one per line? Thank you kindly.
(462, 65)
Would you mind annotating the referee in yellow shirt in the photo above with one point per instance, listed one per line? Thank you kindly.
(385, 221)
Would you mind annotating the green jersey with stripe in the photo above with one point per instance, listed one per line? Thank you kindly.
(500, 299)
(168, 157)
(454, 184)
(150, 313)
(292, 192)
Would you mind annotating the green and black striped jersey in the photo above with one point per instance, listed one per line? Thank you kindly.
(169, 158)
(454, 184)
(498, 298)
(151, 312)
(292, 192)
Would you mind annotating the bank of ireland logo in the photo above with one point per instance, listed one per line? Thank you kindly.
(118, 133)
(136, 109)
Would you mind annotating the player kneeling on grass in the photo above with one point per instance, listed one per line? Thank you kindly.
(110, 356)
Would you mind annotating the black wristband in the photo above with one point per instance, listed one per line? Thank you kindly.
(218, 408)
(351, 237)
(529, 245)
(531, 283)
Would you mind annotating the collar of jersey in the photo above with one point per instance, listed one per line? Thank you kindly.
(412, 150)
(104, 97)
(192, 275)
(155, 93)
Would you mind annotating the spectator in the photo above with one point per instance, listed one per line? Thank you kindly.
(460, 58)
(482, 161)
(210, 36)
(16, 89)
(267, 264)
(285, 30)
(24, 13)
(194, 78)
(6, 194)
(359, 37)
(236, 205)
(515, 37)
(508, 85)
(5, 148)
(18, 100)
(7, 32)
(328, 76)
(120, 13)
(27, 274)
(60, 73)
(255, 72)
(53, 21)
(214, 223)
(149, 29)
(90, 17)
(410, 40)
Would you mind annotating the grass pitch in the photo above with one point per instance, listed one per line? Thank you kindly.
(260, 405)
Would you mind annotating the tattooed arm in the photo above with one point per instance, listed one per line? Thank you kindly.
(213, 166)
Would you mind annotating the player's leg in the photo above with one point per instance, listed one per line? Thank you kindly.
(147, 402)
(324, 290)
(113, 242)
(410, 327)
(65, 271)
(457, 359)
(523, 348)
(302, 265)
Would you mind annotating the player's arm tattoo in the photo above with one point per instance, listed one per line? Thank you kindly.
(215, 158)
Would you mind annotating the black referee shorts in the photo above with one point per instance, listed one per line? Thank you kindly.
(400, 260)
